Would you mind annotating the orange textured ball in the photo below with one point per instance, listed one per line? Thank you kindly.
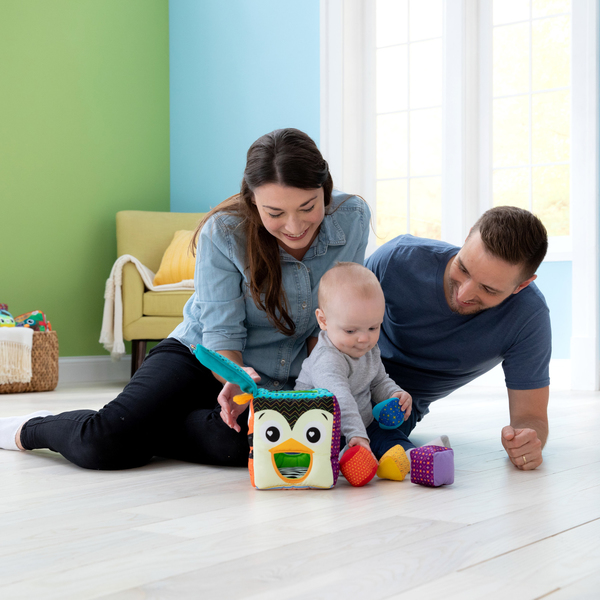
(358, 466)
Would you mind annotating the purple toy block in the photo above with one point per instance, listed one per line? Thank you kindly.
(432, 466)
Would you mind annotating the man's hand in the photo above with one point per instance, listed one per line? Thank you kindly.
(523, 447)
(230, 410)
(526, 435)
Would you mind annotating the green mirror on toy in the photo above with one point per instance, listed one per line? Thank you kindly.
(388, 414)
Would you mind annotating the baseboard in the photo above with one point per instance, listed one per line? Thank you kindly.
(88, 369)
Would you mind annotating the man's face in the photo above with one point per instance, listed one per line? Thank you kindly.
(475, 280)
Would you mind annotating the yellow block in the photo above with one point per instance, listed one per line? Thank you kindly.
(394, 464)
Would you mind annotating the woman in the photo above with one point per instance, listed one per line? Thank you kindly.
(260, 257)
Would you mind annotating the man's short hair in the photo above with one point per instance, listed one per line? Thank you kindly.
(514, 235)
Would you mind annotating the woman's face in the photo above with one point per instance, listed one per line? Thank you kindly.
(291, 215)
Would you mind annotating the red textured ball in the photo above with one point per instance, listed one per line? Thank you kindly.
(358, 466)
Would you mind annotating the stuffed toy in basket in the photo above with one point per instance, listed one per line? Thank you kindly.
(294, 435)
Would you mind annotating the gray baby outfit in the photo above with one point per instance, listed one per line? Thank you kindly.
(357, 383)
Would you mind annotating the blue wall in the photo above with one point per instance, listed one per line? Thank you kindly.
(238, 69)
(554, 281)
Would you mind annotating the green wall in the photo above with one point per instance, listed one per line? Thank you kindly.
(84, 133)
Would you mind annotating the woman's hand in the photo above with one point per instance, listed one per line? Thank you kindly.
(230, 411)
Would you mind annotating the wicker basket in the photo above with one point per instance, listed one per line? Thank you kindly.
(44, 365)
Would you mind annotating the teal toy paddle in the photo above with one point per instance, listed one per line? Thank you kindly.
(229, 371)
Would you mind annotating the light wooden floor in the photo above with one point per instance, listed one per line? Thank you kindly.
(176, 530)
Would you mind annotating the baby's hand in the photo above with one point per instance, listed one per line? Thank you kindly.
(405, 402)
(359, 441)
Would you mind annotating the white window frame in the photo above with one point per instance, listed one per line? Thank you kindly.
(348, 131)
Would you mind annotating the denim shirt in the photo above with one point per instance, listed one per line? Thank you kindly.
(221, 314)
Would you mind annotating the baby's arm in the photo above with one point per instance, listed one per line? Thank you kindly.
(329, 370)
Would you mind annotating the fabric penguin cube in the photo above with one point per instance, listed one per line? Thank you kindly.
(294, 440)
(432, 466)
(294, 435)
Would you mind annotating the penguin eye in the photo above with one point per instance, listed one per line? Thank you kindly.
(270, 431)
(314, 432)
(272, 434)
(313, 435)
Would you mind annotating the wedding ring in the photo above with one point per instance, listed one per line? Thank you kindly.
(524, 459)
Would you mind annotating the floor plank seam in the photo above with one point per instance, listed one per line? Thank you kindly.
(548, 594)
(542, 539)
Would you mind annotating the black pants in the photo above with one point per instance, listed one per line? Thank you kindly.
(168, 409)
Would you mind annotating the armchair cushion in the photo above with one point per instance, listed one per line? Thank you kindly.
(178, 262)
(165, 304)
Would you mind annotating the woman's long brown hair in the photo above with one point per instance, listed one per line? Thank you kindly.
(286, 157)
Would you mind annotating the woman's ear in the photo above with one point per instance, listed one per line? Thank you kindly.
(321, 319)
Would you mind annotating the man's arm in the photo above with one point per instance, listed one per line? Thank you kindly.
(527, 433)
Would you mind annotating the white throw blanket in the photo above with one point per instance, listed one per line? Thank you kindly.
(112, 321)
(15, 354)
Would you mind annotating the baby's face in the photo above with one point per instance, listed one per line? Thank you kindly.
(353, 324)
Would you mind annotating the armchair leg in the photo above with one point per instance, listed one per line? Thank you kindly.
(138, 353)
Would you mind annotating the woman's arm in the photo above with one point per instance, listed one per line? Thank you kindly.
(220, 310)
(218, 302)
(234, 356)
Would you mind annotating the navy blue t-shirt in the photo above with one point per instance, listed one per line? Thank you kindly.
(431, 351)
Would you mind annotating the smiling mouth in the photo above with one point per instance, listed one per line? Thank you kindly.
(296, 237)
(467, 306)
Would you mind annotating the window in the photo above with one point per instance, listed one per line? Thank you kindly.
(409, 74)
(530, 109)
(435, 110)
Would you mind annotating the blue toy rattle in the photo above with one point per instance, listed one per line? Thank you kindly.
(388, 414)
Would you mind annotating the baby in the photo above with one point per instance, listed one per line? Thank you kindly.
(346, 361)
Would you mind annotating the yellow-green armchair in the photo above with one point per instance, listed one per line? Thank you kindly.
(149, 316)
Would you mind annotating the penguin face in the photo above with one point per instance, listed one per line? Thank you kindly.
(293, 455)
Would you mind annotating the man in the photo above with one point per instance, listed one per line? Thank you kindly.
(453, 314)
